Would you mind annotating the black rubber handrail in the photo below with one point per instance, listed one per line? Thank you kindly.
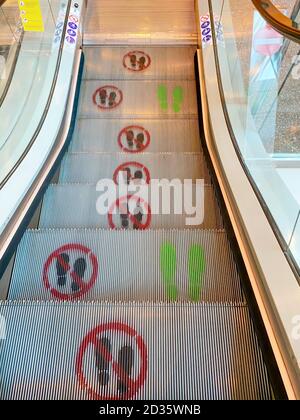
(285, 25)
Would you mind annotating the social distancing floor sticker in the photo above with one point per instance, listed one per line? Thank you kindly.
(70, 271)
(177, 98)
(134, 139)
(120, 356)
(129, 211)
(132, 172)
(136, 61)
(196, 269)
(107, 97)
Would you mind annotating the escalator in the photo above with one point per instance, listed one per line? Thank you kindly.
(131, 303)
(203, 344)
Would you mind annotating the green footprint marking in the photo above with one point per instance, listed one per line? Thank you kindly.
(196, 269)
(196, 266)
(162, 93)
(168, 265)
(177, 98)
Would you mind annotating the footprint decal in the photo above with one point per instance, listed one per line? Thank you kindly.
(107, 97)
(61, 269)
(103, 359)
(79, 270)
(102, 356)
(136, 61)
(125, 361)
(177, 96)
(162, 93)
(168, 264)
(196, 269)
(134, 139)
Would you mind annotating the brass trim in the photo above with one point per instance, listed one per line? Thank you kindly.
(281, 23)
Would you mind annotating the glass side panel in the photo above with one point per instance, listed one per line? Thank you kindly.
(260, 77)
(29, 88)
(10, 33)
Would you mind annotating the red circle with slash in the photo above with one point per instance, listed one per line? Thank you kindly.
(130, 128)
(84, 286)
(122, 168)
(122, 201)
(111, 88)
(91, 339)
(137, 68)
(73, 19)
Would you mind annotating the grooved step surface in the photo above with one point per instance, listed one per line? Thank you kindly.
(90, 168)
(131, 351)
(75, 205)
(115, 135)
(138, 99)
(136, 62)
(181, 329)
(140, 21)
(125, 265)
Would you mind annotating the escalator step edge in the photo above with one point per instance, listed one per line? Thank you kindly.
(130, 351)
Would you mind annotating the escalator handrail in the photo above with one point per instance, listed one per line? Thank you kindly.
(38, 129)
(281, 23)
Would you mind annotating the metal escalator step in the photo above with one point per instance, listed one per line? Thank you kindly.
(138, 99)
(141, 62)
(89, 168)
(115, 135)
(74, 205)
(139, 22)
(130, 351)
(95, 264)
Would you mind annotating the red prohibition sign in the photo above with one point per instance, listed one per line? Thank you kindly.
(84, 286)
(136, 61)
(137, 165)
(107, 97)
(122, 204)
(91, 339)
(133, 129)
(73, 19)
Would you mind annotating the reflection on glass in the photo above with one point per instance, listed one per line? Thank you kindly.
(292, 8)
(10, 33)
(260, 74)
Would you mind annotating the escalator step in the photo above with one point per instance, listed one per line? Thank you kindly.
(95, 264)
(121, 22)
(146, 63)
(115, 135)
(74, 205)
(90, 168)
(130, 351)
(138, 99)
